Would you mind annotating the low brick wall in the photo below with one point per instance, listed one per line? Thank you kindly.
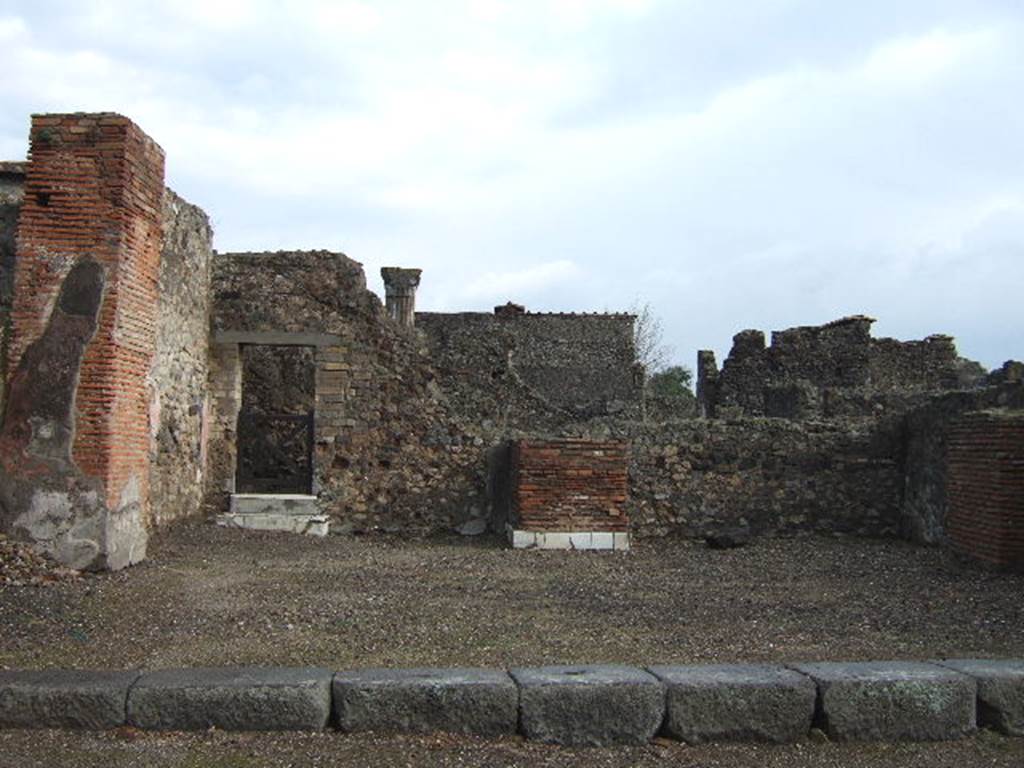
(985, 485)
(584, 705)
(570, 485)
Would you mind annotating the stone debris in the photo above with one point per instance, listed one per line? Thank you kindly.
(21, 565)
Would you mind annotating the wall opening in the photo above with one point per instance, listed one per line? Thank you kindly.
(275, 423)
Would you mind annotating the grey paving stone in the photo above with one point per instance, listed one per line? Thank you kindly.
(1000, 691)
(56, 698)
(892, 700)
(738, 702)
(233, 699)
(477, 701)
(589, 705)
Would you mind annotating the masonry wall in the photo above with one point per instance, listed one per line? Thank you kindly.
(12, 190)
(83, 319)
(986, 487)
(832, 370)
(388, 454)
(569, 485)
(531, 371)
(926, 438)
(179, 406)
(697, 477)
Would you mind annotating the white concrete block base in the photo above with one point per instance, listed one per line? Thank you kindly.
(294, 513)
(590, 540)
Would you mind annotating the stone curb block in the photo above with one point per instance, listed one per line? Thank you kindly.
(1000, 691)
(232, 699)
(892, 700)
(475, 701)
(737, 702)
(589, 705)
(58, 698)
(572, 705)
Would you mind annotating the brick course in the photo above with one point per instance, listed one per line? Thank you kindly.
(985, 484)
(570, 485)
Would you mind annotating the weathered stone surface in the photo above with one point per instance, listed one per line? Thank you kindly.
(737, 703)
(64, 698)
(179, 409)
(530, 369)
(835, 369)
(589, 705)
(729, 538)
(1000, 691)
(233, 699)
(44, 497)
(892, 700)
(475, 526)
(478, 701)
(700, 477)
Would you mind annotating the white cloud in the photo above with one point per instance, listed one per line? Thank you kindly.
(522, 282)
(747, 163)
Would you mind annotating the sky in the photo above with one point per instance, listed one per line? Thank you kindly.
(731, 164)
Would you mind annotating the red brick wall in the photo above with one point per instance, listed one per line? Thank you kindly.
(569, 485)
(94, 186)
(985, 485)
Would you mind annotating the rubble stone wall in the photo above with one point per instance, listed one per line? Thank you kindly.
(527, 370)
(698, 477)
(387, 452)
(831, 370)
(12, 191)
(179, 376)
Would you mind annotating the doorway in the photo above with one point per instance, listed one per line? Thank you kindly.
(276, 419)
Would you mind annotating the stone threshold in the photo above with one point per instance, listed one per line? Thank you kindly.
(291, 512)
(584, 540)
(582, 705)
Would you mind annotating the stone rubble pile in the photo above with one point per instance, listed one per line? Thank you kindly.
(21, 565)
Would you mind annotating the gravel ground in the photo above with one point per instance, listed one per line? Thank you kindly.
(213, 596)
(53, 749)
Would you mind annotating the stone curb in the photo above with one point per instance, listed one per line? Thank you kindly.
(484, 702)
(590, 706)
(232, 699)
(893, 701)
(581, 705)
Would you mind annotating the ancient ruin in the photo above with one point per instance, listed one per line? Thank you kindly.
(145, 377)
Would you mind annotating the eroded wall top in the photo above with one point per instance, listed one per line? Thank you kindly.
(836, 369)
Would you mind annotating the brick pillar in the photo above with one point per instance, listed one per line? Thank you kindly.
(400, 293)
(985, 487)
(93, 188)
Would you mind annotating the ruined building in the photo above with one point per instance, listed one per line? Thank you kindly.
(145, 378)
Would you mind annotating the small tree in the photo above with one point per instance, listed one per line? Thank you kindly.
(672, 382)
(649, 338)
(667, 387)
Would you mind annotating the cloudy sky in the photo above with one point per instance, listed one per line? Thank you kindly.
(733, 163)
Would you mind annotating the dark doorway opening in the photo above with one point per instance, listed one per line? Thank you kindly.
(275, 423)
